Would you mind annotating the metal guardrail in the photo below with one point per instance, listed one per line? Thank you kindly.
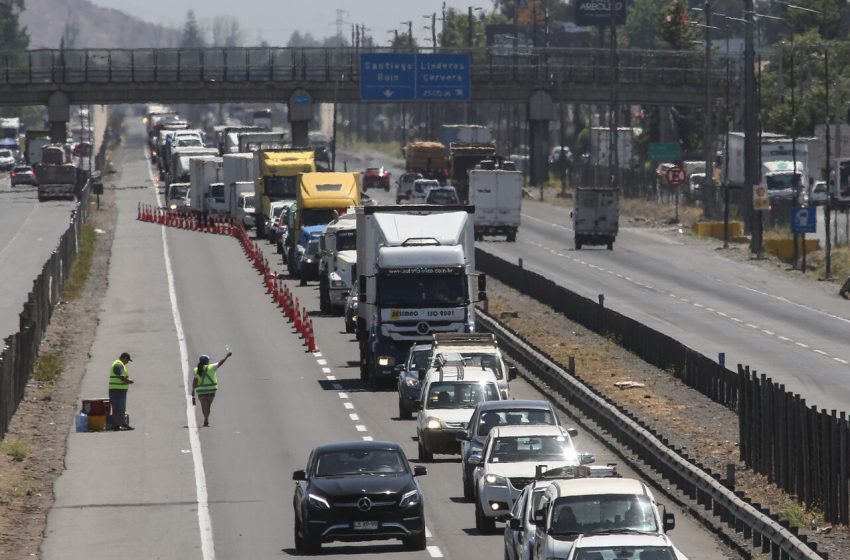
(763, 530)
(555, 67)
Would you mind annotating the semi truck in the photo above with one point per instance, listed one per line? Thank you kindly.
(56, 176)
(321, 198)
(465, 134)
(495, 190)
(462, 159)
(428, 159)
(338, 264)
(34, 141)
(777, 171)
(228, 138)
(416, 277)
(276, 178)
(180, 170)
(253, 141)
(203, 172)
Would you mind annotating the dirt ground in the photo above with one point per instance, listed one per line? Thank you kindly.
(41, 423)
(705, 430)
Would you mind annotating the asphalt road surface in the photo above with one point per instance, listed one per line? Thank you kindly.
(794, 330)
(172, 490)
(29, 233)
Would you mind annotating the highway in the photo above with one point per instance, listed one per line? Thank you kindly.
(29, 232)
(794, 330)
(172, 490)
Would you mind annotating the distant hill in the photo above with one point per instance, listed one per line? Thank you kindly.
(98, 27)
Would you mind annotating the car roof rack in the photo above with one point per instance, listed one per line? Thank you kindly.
(446, 367)
(464, 339)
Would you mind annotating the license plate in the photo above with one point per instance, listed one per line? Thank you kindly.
(365, 525)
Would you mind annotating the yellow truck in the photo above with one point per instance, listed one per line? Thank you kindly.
(321, 198)
(277, 178)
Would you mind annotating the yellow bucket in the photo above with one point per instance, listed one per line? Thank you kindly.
(97, 423)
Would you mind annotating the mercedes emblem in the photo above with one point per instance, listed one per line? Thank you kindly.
(364, 504)
(423, 328)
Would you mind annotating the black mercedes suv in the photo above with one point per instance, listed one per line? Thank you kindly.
(358, 491)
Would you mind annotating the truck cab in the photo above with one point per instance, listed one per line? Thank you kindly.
(276, 178)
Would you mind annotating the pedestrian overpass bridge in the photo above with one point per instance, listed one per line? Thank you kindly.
(271, 74)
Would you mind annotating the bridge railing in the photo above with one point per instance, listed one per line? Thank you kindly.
(550, 66)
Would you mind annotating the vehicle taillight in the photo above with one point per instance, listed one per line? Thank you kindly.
(13, 173)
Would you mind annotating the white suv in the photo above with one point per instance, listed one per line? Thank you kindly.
(587, 506)
(450, 393)
(614, 546)
(476, 350)
(511, 459)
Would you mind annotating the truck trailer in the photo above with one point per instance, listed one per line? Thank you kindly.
(496, 194)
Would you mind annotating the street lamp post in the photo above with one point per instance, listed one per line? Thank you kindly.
(708, 194)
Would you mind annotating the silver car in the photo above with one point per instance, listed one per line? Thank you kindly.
(520, 528)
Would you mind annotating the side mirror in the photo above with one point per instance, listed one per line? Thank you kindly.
(573, 432)
(539, 517)
(462, 436)
(514, 524)
(399, 368)
(587, 458)
(299, 475)
(669, 521)
(419, 470)
(512, 373)
(474, 459)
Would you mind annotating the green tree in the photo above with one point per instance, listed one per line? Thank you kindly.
(192, 37)
(676, 30)
(642, 23)
(13, 37)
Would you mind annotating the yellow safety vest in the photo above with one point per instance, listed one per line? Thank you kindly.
(116, 382)
(206, 384)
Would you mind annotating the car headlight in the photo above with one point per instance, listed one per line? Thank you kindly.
(410, 499)
(317, 501)
(386, 361)
(432, 424)
(173, 207)
(411, 382)
(495, 480)
(308, 261)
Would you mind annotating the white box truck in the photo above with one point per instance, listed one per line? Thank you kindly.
(240, 202)
(338, 264)
(416, 277)
(496, 195)
(203, 172)
(596, 216)
(777, 164)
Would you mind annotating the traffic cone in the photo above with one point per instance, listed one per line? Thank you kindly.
(311, 337)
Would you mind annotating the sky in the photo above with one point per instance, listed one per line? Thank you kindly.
(274, 21)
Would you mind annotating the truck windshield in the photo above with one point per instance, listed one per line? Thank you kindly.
(780, 181)
(316, 216)
(603, 512)
(346, 240)
(279, 188)
(217, 192)
(179, 192)
(429, 290)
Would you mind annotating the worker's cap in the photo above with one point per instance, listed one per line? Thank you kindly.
(204, 359)
(125, 355)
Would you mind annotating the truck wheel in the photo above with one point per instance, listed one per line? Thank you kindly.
(578, 244)
(364, 363)
(610, 245)
(511, 237)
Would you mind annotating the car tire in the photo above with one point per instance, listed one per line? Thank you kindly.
(424, 456)
(468, 488)
(349, 328)
(299, 542)
(484, 524)
(403, 412)
(416, 542)
(311, 546)
(511, 237)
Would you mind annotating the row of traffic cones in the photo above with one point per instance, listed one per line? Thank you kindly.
(206, 223)
(225, 226)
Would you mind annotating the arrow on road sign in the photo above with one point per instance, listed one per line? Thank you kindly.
(388, 93)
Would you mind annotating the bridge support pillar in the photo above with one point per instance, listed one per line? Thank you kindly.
(58, 115)
(541, 111)
(300, 115)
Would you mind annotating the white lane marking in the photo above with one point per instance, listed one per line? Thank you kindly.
(784, 338)
(821, 352)
(801, 345)
(203, 505)
(368, 438)
(736, 319)
(338, 386)
(330, 377)
(326, 370)
(434, 551)
(343, 395)
(752, 326)
(322, 362)
(789, 302)
(354, 417)
(427, 532)
(765, 331)
(360, 428)
(348, 405)
(840, 361)
(317, 354)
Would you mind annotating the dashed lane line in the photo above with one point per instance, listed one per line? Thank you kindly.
(700, 305)
(434, 551)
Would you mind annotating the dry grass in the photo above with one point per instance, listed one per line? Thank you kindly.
(82, 264)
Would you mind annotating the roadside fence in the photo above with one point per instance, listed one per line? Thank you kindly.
(805, 452)
(20, 349)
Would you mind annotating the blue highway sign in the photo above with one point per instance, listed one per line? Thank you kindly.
(392, 77)
(387, 77)
(804, 220)
(442, 76)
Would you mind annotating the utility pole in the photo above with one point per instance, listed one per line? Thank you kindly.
(827, 209)
(469, 28)
(796, 185)
(751, 147)
(434, 31)
(613, 156)
(708, 193)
